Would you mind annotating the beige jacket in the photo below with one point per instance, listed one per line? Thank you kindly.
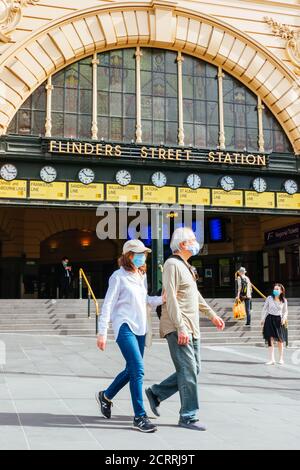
(184, 301)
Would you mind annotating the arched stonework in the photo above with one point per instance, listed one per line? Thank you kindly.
(158, 24)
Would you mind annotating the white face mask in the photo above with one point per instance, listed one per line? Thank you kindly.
(194, 248)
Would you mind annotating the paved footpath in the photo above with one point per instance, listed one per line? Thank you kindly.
(47, 389)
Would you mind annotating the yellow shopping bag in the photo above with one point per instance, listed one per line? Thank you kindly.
(239, 311)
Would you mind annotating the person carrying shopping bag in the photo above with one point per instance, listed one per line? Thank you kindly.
(274, 316)
(125, 305)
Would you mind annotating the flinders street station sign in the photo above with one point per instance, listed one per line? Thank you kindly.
(110, 150)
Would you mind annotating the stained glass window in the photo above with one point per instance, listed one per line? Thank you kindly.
(116, 95)
(240, 116)
(159, 96)
(30, 119)
(200, 103)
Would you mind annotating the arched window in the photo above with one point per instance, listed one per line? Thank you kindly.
(115, 114)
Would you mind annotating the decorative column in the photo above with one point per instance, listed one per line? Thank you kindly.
(95, 63)
(139, 132)
(180, 100)
(261, 140)
(48, 124)
(221, 109)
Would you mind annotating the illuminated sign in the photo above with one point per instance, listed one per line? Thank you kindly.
(227, 199)
(13, 189)
(117, 193)
(199, 197)
(89, 192)
(262, 200)
(165, 195)
(55, 191)
(233, 158)
(288, 201)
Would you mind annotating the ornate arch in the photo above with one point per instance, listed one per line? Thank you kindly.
(23, 67)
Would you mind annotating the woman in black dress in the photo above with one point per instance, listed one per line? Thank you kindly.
(274, 315)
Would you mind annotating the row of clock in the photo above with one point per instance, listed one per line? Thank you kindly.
(48, 174)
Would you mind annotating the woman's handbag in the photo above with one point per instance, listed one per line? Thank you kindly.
(239, 311)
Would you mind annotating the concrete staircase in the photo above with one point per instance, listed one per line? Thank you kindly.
(69, 317)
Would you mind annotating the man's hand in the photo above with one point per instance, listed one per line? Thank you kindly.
(164, 297)
(183, 338)
(219, 323)
(101, 342)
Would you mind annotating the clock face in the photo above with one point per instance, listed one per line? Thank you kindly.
(123, 177)
(86, 176)
(48, 174)
(259, 184)
(193, 181)
(8, 172)
(159, 179)
(290, 186)
(227, 183)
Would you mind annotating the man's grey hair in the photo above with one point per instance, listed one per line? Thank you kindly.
(181, 234)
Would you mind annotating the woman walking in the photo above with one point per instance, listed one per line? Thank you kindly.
(274, 315)
(125, 305)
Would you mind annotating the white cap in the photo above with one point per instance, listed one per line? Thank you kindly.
(136, 246)
(242, 270)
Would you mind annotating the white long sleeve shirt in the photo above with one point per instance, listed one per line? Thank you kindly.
(126, 302)
(271, 307)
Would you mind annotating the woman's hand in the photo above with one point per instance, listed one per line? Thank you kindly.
(262, 323)
(164, 297)
(101, 342)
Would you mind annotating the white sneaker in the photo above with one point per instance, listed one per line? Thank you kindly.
(281, 362)
(270, 363)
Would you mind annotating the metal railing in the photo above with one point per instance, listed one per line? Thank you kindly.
(91, 295)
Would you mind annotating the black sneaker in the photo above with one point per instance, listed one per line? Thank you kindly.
(193, 424)
(144, 424)
(105, 405)
(153, 401)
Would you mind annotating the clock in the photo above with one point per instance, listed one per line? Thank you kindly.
(159, 179)
(8, 172)
(290, 186)
(193, 181)
(259, 184)
(123, 177)
(227, 183)
(48, 174)
(86, 176)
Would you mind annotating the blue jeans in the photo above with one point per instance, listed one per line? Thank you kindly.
(186, 360)
(132, 347)
(248, 310)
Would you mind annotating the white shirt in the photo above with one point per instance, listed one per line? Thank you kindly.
(271, 307)
(249, 287)
(126, 302)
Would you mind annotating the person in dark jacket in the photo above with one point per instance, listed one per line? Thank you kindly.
(64, 278)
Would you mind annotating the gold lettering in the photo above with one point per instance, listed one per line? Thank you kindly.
(236, 157)
(99, 149)
(220, 155)
(108, 150)
(178, 154)
(188, 154)
(68, 147)
(227, 158)
(144, 153)
(170, 154)
(261, 160)
(242, 159)
(250, 159)
(60, 147)
(76, 147)
(52, 147)
(152, 152)
(88, 149)
(211, 157)
(118, 151)
(161, 153)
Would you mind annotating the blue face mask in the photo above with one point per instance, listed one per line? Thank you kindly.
(276, 292)
(194, 248)
(139, 260)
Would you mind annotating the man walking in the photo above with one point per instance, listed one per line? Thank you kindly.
(64, 278)
(179, 324)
